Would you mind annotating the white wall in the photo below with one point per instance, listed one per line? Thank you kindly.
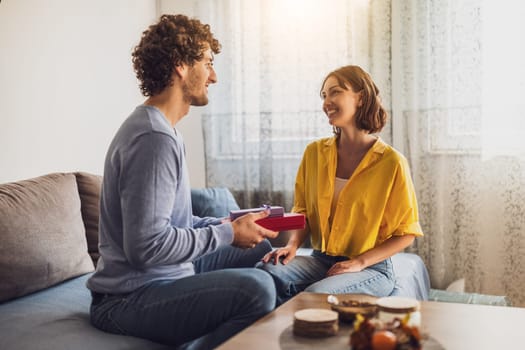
(190, 126)
(66, 81)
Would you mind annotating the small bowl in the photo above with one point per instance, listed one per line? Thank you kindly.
(349, 305)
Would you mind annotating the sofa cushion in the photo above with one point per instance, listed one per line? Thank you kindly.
(57, 318)
(212, 201)
(89, 186)
(42, 235)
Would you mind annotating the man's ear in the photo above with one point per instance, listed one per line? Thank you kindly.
(181, 70)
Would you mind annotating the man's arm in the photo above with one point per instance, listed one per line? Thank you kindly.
(149, 189)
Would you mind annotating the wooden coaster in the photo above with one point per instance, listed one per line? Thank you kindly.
(315, 323)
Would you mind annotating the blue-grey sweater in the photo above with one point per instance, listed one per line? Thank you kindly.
(147, 230)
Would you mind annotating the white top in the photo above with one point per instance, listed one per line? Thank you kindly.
(338, 187)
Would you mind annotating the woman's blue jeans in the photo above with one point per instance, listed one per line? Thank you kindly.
(195, 312)
(308, 273)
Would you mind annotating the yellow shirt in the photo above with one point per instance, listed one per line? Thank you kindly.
(377, 202)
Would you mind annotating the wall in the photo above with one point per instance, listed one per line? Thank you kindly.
(190, 126)
(66, 84)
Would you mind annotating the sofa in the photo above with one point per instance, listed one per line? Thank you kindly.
(49, 235)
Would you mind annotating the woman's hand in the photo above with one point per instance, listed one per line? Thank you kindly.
(352, 265)
(287, 253)
(379, 253)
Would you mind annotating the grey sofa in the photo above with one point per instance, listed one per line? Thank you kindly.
(49, 239)
(48, 230)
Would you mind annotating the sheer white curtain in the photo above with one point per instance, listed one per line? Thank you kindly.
(266, 107)
(452, 74)
(503, 61)
(458, 118)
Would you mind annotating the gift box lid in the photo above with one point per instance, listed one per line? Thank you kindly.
(274, 211)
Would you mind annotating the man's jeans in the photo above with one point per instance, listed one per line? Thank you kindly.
(308, 273)
(195, 312)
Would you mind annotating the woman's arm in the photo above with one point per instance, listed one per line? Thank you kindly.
(297, 238)
(379, 253)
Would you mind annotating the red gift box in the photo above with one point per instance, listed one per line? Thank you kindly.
(289, 221)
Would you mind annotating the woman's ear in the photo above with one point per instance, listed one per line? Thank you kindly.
(360, 101)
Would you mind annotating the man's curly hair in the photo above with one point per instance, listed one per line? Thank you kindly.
(174, 40)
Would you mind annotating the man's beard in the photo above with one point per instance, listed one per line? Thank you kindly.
(190, 88)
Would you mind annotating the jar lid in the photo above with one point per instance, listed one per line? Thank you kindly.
(316, 315)
(397, 305)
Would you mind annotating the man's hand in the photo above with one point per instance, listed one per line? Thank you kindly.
(247, 234)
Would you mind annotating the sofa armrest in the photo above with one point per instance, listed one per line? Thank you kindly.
(468, 298)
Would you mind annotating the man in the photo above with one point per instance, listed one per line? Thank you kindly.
(161, 272)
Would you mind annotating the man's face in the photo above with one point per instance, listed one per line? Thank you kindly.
(199, 76)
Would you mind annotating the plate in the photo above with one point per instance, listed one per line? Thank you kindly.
(364, 304)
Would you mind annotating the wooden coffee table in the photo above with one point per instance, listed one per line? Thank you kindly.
(453, 325)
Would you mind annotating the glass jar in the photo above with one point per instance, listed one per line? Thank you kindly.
(390, 308)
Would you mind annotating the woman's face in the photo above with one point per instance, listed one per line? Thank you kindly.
(340, 105)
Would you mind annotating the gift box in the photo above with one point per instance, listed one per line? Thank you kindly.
(289, 221)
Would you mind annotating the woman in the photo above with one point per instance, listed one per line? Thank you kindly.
(357, 195)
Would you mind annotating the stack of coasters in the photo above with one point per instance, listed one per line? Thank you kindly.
(277, 220)
(315, 323)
